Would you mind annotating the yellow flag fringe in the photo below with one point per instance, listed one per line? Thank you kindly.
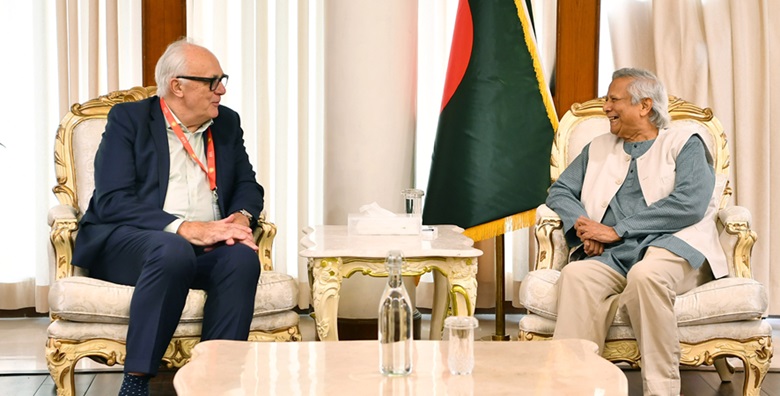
(495, 228)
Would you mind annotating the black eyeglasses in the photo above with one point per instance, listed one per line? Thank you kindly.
(213, 81)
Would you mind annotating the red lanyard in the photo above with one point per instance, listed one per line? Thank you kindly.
(211, 172)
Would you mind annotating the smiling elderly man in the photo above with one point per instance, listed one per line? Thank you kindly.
(633, 203)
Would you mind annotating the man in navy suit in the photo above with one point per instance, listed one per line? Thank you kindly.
(174, 205)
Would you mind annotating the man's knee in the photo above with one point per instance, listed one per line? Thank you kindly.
(645, 280)
(643, 274)
(574, 269)
(173, 255)
(243, 261)
(578, 271)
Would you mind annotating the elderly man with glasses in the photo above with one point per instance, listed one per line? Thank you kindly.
(174, 206)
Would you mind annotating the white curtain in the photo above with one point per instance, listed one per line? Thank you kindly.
(719, 54)
(64, 51)
(272, 51)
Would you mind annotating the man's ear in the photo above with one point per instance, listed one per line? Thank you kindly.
(175, 87)
(647, 105)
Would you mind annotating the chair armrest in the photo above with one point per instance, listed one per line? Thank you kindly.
(737, 240)
(64, 224)
(264, 239)
(551, 249)
(61, 212)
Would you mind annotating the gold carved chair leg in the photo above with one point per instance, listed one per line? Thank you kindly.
(755, 355)
(724, 368)
(62, 356)
(757, 359)
(283, 335)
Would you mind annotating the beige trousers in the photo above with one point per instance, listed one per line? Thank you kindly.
(590, 293)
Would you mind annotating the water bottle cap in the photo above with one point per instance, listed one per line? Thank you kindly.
(395, 258)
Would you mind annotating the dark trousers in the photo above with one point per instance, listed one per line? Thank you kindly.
(163, 267)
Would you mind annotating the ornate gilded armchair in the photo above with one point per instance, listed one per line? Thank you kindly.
(720, 319)
(89, 316)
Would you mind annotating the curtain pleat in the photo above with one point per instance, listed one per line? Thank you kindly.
(74, 49)
(719, 54)
(266, 49)
(18, 294)
(112, 45)
(93, 67)
(62, 56)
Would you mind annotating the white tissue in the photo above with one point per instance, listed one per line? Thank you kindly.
(375, 220)
(374, 210)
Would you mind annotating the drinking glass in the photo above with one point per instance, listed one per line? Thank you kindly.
(413, 201)
(459, 332)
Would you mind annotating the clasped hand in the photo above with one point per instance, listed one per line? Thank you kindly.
(594, 235)
(230, 230)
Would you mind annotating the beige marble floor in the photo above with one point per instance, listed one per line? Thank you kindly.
(22, 342)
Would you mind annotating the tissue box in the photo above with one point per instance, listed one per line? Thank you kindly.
(400, 224)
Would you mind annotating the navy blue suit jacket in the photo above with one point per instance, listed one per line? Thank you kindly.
(132, 165)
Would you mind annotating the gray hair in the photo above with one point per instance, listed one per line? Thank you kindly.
(646, 85)
(172, 63)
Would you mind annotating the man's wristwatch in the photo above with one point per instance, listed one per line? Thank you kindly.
(246, 214)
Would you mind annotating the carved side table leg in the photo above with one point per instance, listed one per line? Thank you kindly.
(326, 283)
(463, 278)
(440, 306)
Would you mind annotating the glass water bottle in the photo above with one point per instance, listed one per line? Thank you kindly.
(395, 321)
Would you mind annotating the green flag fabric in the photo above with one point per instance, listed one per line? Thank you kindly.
(491, 159)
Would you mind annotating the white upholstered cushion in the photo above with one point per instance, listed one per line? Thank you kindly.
(688, 334)
(63, 329)
(84, 299)
(539, 292)
(719, 301)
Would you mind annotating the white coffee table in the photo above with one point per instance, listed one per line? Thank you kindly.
(334, 254)
(565, 367)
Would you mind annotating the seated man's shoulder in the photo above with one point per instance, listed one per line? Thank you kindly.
(134, 106)
(685, 129)
(227, 112)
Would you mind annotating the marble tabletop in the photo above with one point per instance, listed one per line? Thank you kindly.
(336, 241)
(561, 367)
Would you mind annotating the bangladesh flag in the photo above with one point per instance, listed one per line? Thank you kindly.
(491, 159)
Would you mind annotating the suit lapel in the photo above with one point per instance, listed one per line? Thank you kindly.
(160, 137)
(219, 160)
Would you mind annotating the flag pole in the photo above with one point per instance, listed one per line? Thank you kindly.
(500, 334)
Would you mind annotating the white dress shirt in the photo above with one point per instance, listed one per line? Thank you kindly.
(189, 196)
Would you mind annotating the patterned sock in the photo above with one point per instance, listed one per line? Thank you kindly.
(135, 385)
